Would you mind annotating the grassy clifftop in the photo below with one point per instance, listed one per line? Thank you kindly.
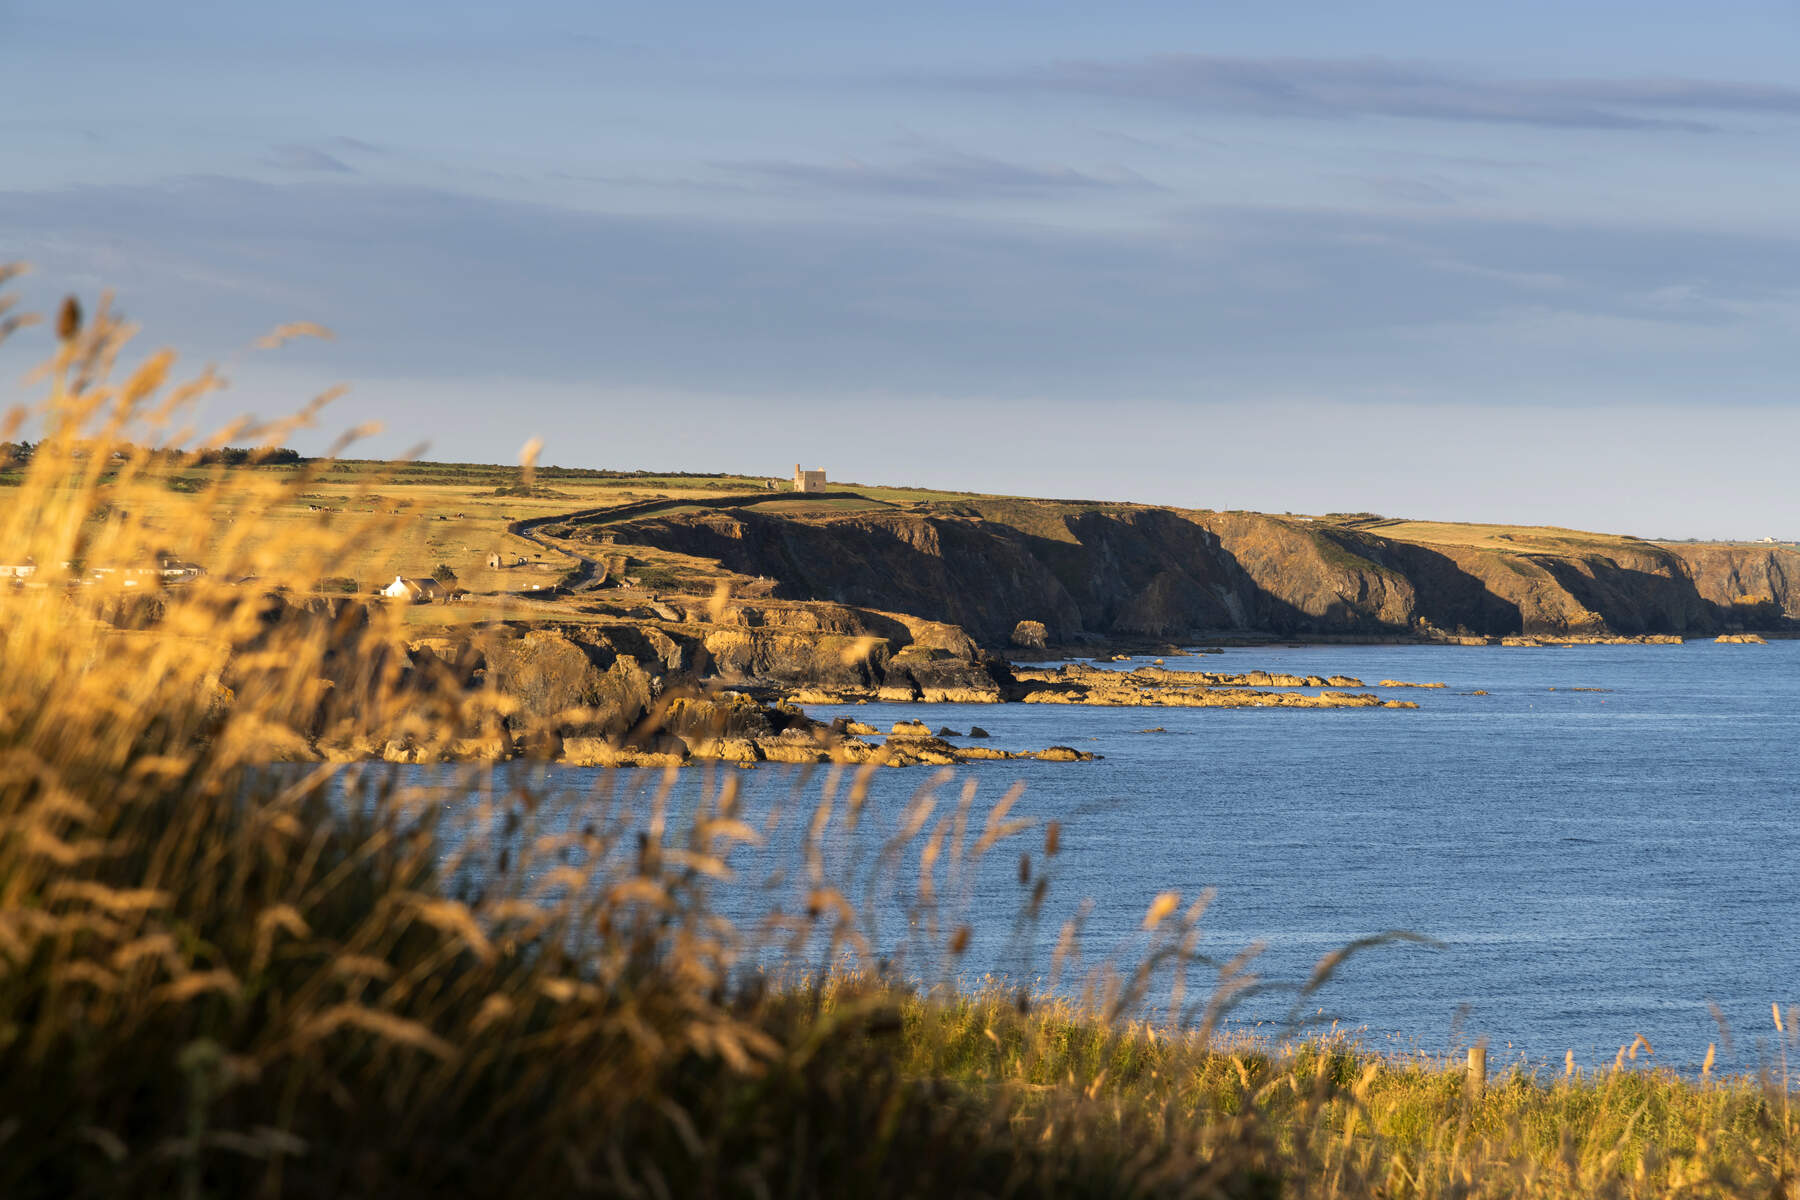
(987, 562)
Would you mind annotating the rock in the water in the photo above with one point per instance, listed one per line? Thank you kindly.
(910, 748)
(780, 751)
(976, 731)
(482, 749)
(589, 752)
(946, 731)
(940, 676)
(725, 715)
(737, 750)
(911, 729)
(1062, 754)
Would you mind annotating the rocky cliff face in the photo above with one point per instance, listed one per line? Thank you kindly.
(1125, 570)
(1757, 586)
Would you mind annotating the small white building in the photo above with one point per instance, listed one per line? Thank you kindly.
(18, 570)
(809, 481)
(415, 591)
(175, 570)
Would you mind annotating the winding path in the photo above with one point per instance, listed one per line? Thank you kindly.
(587, 569)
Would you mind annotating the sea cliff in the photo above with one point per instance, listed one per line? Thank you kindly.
(1120, 571)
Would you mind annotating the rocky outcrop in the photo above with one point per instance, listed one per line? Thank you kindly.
(658, 694)
(838, 662)
(1157, 687)
(584, 688)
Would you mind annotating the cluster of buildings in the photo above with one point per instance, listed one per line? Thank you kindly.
(169, 571)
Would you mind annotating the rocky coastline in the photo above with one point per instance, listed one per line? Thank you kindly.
(692, 680)
(733, 684)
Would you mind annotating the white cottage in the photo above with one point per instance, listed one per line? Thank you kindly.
(415, 591)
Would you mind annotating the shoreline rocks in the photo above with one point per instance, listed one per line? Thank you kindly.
(1593, 639)
(1160, 687)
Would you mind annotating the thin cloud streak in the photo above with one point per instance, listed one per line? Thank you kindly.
(307, 158)
(1378, 87)
(947, 174)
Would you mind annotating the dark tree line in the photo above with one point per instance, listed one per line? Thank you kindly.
(17, 454)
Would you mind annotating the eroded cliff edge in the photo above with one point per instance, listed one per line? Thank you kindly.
(1135, 571)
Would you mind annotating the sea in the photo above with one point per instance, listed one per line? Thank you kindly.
(1562, 850)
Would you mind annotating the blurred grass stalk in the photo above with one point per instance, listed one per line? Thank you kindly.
(223, 978)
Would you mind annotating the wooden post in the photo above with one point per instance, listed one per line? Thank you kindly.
(1476, 1084)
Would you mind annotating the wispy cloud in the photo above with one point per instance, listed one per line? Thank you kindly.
(295, 157)
(1348, 87)
(357, 146)
(943, 173)
(1245, 302)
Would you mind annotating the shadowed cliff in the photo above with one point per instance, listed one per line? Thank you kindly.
(1125, 570)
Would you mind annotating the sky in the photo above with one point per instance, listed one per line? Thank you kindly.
(1535, 262)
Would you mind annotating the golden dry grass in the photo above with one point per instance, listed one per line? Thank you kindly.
(1520, 539)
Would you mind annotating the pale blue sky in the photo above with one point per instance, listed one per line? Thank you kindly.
(1532, 262)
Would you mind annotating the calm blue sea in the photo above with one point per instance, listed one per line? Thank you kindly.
(1592, 865)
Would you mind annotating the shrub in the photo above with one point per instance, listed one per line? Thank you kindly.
(658, 577)
(1030, 634)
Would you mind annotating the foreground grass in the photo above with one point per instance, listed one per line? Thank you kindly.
(1331, 1119)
